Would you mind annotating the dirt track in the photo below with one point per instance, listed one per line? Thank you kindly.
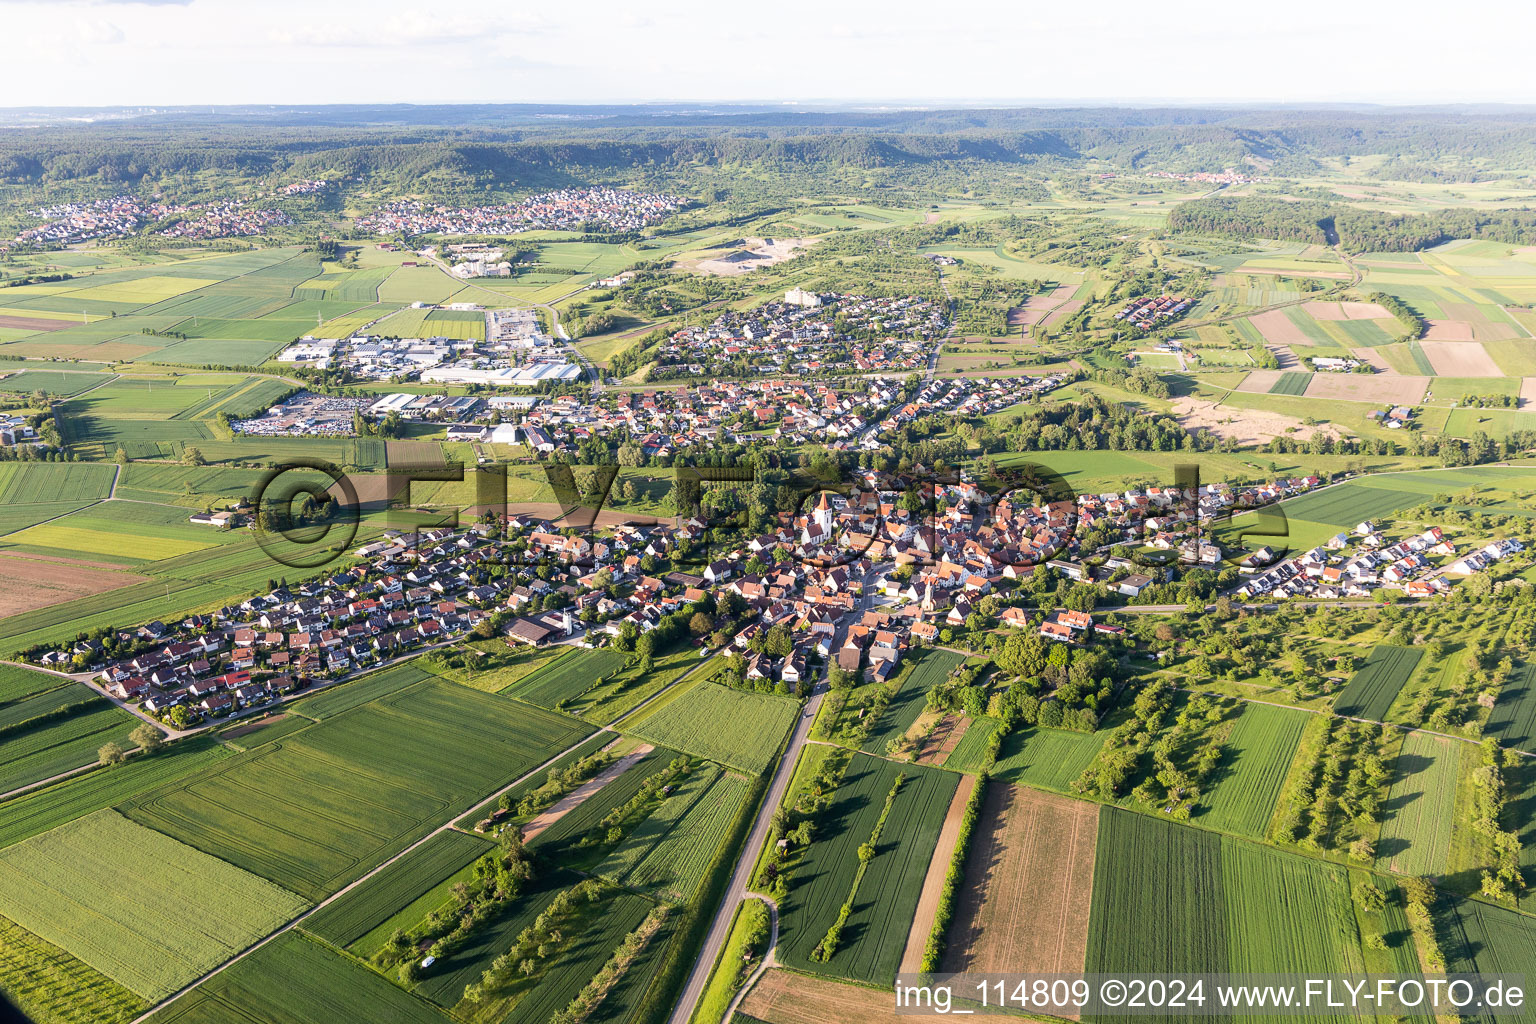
(576, 797)
(933, 881)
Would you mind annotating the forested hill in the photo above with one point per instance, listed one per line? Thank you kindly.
(520, 143)
(1356, 230)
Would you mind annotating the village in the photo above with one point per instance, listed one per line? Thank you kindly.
(604, 209)
(854, 580)
(1356, 564)
(809, 332)
(124, 215)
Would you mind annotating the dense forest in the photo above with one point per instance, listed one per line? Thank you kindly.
(520, 142)
(1357, 230)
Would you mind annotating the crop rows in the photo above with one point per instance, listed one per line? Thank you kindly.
(1349, 504)
(930, 669)
(738, 728)
(1416, 835)
(675, 867)
(295, 980)
(1374, 686)
(124, 914)
(567, 677)
(876, 932)
(39, 811)
(623, 858)
(1513, 720)
(54, 482)
(345, 921)
(316, 809)
(52, 987)
(61, 745)
(1258, 755)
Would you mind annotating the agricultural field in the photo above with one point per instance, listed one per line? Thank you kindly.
(316, 809)
(876, 931)
(1252, 773)
(926, 670)
(737, 728)
(52, 987)
(295, 980)
(1024, 904)
(59, 383)
(63, 802)
(1375, 685)
(1291, 383)
(597, 741)
(362, 690)
(127, 915)
(1513, 719)
(376, 900)
(26, 482)
(1171, 899)
(444, 984)
(560, 842)
(1420, 805)
(1045, 758)
(1158, 898)
(567, 677)
(667, 855)
(60, 745)
(1478, 938)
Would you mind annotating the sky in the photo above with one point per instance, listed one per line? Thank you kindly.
(177, 52)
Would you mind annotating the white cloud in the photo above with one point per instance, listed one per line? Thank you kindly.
(97, 31)
(316, 51)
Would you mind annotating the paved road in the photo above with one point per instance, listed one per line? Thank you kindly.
(720, 928)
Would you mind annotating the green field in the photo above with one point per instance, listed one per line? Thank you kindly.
(1291, 383)
(876, 931)
(18, 683)
(294, 980)
(131, 915)
(1478, 938)
(444, 983)
(568, 677)
(53, 482)
(1252, 772)
(362, 909)
(53, 382)
(1287, 913)
(61, 744)
(43, 809)
(52, 987)
(1171, 899)
(1348, 504)
(591, 745)
(1158, 898)
(668, 853)
(316, 809)
(559, 843)
(928, 669)
(1045, 758)
(738, 728)
(334, 700)
(1420, 806)
(599, 929)
(1375, 685)
(1513, 719)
